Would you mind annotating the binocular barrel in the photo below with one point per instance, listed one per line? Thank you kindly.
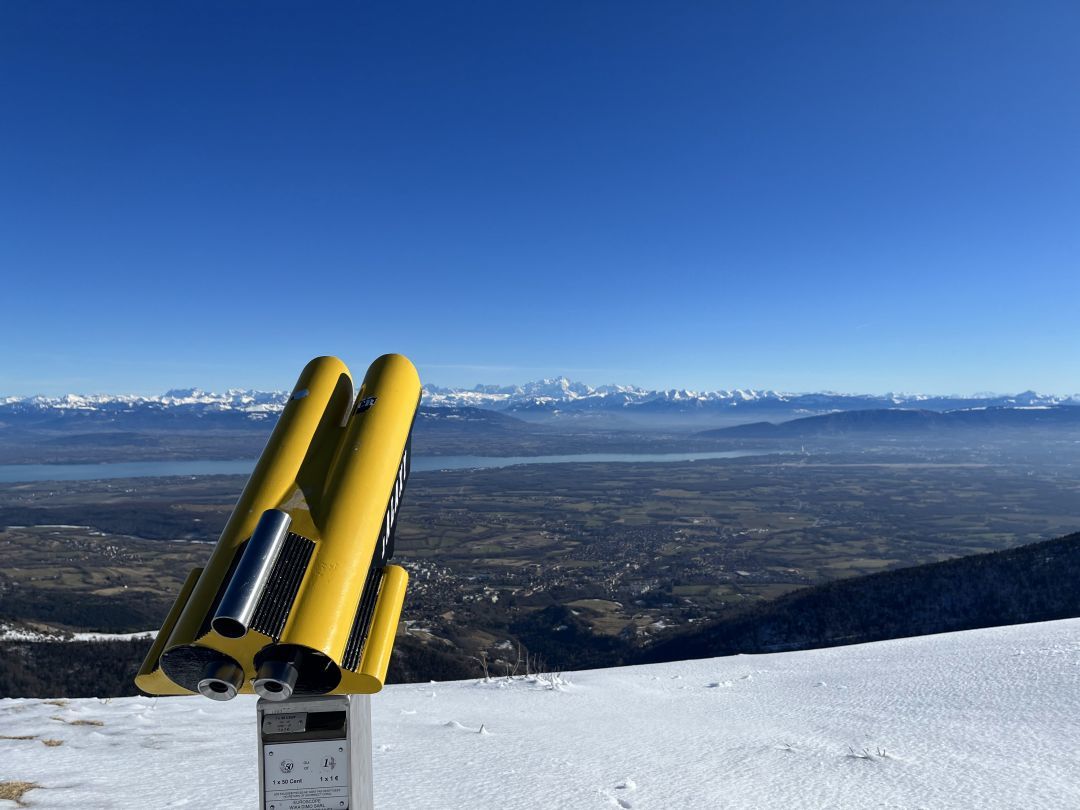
(299, 596)
(233, 616)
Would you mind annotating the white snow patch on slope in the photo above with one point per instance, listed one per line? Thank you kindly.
(141, 635)
(22, 632)
(984, 719)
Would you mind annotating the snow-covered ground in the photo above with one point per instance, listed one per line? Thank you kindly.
(983, 719)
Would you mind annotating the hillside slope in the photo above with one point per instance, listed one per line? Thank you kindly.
(984, 719)
(1032, 583)
(908, 422)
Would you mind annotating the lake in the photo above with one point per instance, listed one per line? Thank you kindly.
(23, 473)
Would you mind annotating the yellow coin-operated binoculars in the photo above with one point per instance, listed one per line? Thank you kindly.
(298, 597)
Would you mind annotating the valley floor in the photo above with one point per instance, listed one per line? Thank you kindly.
(980, 719)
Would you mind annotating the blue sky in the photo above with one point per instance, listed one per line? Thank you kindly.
(852, 196)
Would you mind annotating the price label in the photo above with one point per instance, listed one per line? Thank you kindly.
(284, 723)
(306, 776)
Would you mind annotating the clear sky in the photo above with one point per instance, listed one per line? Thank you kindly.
(852, 196)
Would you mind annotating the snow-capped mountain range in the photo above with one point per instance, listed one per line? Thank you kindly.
(562, 394)
(548, 396)
(234, 399)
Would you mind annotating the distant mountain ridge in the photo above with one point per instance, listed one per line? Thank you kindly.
(904, 422)
(542, 398)
(562, 394)
(257, 404)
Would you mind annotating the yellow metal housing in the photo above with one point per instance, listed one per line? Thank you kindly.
(337, 466)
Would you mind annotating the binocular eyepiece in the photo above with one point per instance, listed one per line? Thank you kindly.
(221, 680)
(281, 670)
(276, 678)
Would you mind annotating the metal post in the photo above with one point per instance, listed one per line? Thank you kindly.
(315, 753)
(360, 744)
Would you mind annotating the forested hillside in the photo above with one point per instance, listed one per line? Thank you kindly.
(1033, 583)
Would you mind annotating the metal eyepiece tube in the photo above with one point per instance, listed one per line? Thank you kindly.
(276, 678)
(233, 616)
(221, 680)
